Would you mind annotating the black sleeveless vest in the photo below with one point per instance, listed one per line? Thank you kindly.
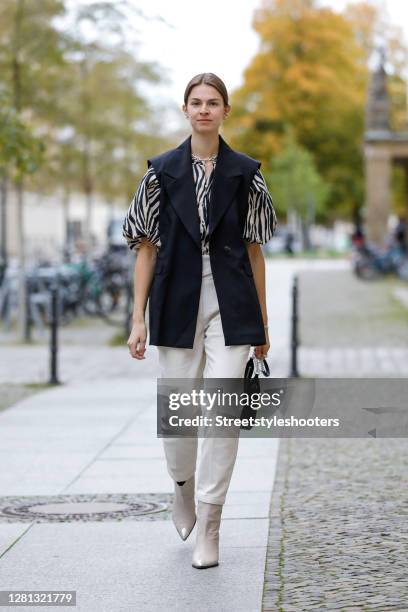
(175, 290)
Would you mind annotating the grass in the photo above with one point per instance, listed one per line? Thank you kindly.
(10, 394)
(314, 254)
(38, 386)
(119, 339)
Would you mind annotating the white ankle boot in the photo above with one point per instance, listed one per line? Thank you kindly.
(207, 544)
(184, 514)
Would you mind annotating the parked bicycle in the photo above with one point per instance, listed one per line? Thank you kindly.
(100, 287)
(370, 262)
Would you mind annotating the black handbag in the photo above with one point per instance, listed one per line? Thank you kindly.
(253, 369)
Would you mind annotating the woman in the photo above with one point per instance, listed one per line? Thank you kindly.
(197, 221)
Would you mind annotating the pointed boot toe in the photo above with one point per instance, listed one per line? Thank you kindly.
(207, 544)
(184, 513)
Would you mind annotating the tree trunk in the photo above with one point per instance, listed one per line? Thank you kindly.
(22, 289)
(65, 221)
(86, 160)
(306, 246)
(16, 72)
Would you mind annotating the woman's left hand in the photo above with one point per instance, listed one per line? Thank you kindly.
(262, 351)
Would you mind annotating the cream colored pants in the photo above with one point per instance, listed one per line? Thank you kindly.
(209, 358)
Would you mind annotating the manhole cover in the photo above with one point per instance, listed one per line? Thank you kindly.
(67, 508)
(79, 508)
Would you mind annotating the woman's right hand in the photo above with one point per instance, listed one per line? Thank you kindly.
(137, 340)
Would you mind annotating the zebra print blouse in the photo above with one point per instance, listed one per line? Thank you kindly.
(143, 214)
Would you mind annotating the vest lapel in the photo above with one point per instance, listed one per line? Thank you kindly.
(179, 183)
(227, 177)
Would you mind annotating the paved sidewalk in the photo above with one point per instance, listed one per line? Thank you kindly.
(98, 439)
(96, 435)
(338, 535)
(92, 441)
(80, 365)
(338, 532)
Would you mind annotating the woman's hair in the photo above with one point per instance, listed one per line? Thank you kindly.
(207, 78)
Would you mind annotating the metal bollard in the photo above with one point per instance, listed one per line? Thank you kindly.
(129, 307)
(54, 335)
(28, 319)
(294, 336)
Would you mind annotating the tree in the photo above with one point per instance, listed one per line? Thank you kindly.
(29, 50)
(296, 184)
(76, 78)
(21, 153)
(103, 104)
(311, 72)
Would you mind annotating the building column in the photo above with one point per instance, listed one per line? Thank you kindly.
(378, 193)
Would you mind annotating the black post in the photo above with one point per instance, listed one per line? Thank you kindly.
(129, 308)
(28, 319)
(294, 340)
(54, 335)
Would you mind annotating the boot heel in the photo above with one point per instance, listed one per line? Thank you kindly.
(206, 550)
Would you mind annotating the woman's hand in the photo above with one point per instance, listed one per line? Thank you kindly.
(262, 351)
(137, 340)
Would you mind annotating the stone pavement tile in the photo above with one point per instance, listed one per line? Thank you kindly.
(248, 533)
(338, 525)
(243, 511)
(9, 533)
(384, 359)
(48, 439)
(139, 566)
(246, 504)
(352, 362)
(135, 450)
(150, 474)
(253, 474)
(45, 473)
(258, 447)
(336, 309)
(335, 358)
(30, 364)
(127, 476)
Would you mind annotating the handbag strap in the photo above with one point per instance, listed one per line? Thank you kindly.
(265, 368)
(249, 368)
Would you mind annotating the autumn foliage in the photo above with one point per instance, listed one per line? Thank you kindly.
(311, 73)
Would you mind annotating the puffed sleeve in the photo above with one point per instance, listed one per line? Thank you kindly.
(142, 217)
(261, 222)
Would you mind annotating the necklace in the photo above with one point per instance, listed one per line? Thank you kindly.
(204, 159)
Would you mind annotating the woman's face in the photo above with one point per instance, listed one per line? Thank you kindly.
(205, 109)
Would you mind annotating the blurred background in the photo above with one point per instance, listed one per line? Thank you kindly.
(89, 90)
